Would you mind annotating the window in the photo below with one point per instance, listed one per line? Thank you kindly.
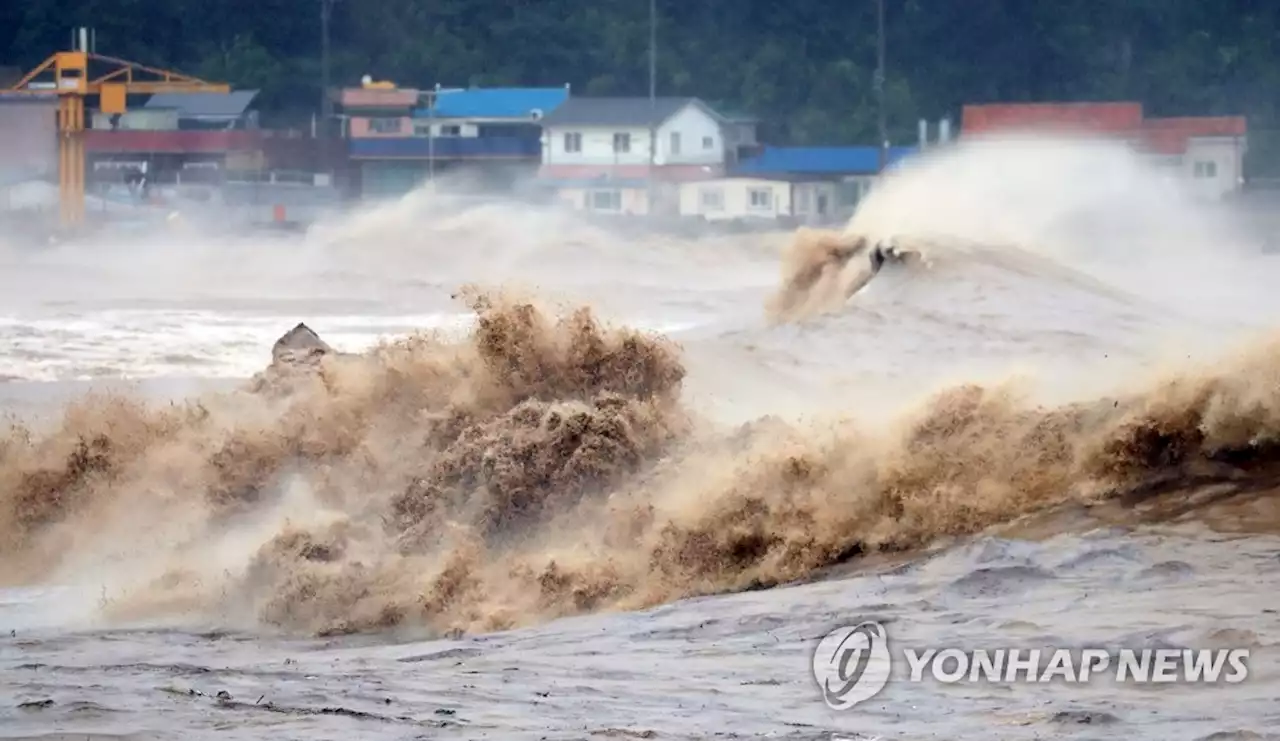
(621, 143)
(675, 142)
(573, 142)
(711, 199)
(451, 130)
(760, 199)
(422, 129)
(384, 125)
(708, 142)
(1206, 169)
(605, 200)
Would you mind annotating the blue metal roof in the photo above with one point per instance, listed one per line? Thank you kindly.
(499, 102)
(819, 160)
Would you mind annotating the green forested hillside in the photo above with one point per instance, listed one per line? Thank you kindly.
(804, 66)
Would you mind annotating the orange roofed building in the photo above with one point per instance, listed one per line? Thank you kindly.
(1208, 149)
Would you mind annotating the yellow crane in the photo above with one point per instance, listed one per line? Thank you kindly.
(71, 83)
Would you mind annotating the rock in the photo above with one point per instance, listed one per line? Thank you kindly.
(299, 345)
(1083, 717)
(297, 354)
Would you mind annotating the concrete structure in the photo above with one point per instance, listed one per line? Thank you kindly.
(1208, 150)
(28, 139)
(490, 135)
(591, 144)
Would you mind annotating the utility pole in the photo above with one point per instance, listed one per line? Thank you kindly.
(326, 100)
(653, 98)
(879, 85)
(326, 103)
(431, 134)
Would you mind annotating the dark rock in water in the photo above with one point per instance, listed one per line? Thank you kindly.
(298, 353)
(300, 344)
(1083, 717)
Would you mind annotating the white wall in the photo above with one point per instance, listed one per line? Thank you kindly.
(731, 198)
(629, 201)
(597, 146)
(692, 123)
(701, 139)
(1215, 166)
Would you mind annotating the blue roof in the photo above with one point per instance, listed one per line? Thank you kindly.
(497, 102)
(819, 160)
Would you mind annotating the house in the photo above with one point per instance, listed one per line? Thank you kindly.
(371, 112)
(590, 146)
(491, 112)
(811, 184)
(739, 197)
(374, 110)
(1208, 150)
(491, 134)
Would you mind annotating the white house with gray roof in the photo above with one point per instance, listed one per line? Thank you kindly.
(603, 144)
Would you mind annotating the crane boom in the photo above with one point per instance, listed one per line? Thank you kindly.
(71, 84)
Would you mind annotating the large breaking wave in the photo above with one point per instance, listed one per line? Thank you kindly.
(548, 463)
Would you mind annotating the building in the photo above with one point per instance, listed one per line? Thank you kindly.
(597, 152)
(29, 145)
(741, 197)
(403, 138)
(375, 112)
(205, 111)
(1208, 150)
(817, 185)
(175, 138)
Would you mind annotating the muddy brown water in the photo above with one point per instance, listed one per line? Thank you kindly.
(145, 618)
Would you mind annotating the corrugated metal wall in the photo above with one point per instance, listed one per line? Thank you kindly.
(28, 140)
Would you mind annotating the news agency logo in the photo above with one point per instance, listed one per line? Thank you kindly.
(851, 665)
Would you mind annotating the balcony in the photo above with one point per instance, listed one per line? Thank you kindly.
(447, 148)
